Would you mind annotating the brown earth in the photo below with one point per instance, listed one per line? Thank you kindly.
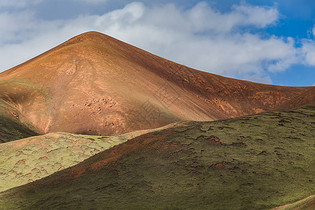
(95, 84)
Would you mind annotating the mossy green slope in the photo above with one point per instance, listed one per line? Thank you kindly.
(255, 162)
(33, 158)
(11, 128)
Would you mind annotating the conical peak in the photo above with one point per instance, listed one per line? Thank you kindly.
(91, 36)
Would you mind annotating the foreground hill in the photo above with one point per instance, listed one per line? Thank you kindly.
(254, 162)
(26, 160)
(30, 159)
(95, 84)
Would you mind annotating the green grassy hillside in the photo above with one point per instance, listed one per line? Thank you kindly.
(33, 158)
(255, 162)
(26, 160)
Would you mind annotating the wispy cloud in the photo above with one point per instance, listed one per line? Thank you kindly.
(18, 3)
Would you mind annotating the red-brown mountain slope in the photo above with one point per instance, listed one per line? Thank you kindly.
(95, 84)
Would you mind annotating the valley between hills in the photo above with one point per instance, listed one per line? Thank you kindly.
(96, 123)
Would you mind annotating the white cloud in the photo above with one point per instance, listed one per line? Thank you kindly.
(129, 14)
(202, 18)
(199, 37)
(12, 26)
(177, 34)
(18, 3)
(309, 52)
(314, 31)
(258, 16)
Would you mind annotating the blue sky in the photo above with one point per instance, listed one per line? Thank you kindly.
(265, 41)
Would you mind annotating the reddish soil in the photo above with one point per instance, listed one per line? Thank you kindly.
(95, 84)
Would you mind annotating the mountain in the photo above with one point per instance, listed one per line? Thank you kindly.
(94, 84)
(254, 162)
(96, 123)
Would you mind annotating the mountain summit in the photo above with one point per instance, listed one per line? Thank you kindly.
(95, 84)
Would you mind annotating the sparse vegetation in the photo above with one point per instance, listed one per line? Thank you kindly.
(245, 163)
(30, 159)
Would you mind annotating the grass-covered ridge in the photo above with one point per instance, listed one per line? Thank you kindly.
(255, 162)
(33, 158)
(27, 160)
